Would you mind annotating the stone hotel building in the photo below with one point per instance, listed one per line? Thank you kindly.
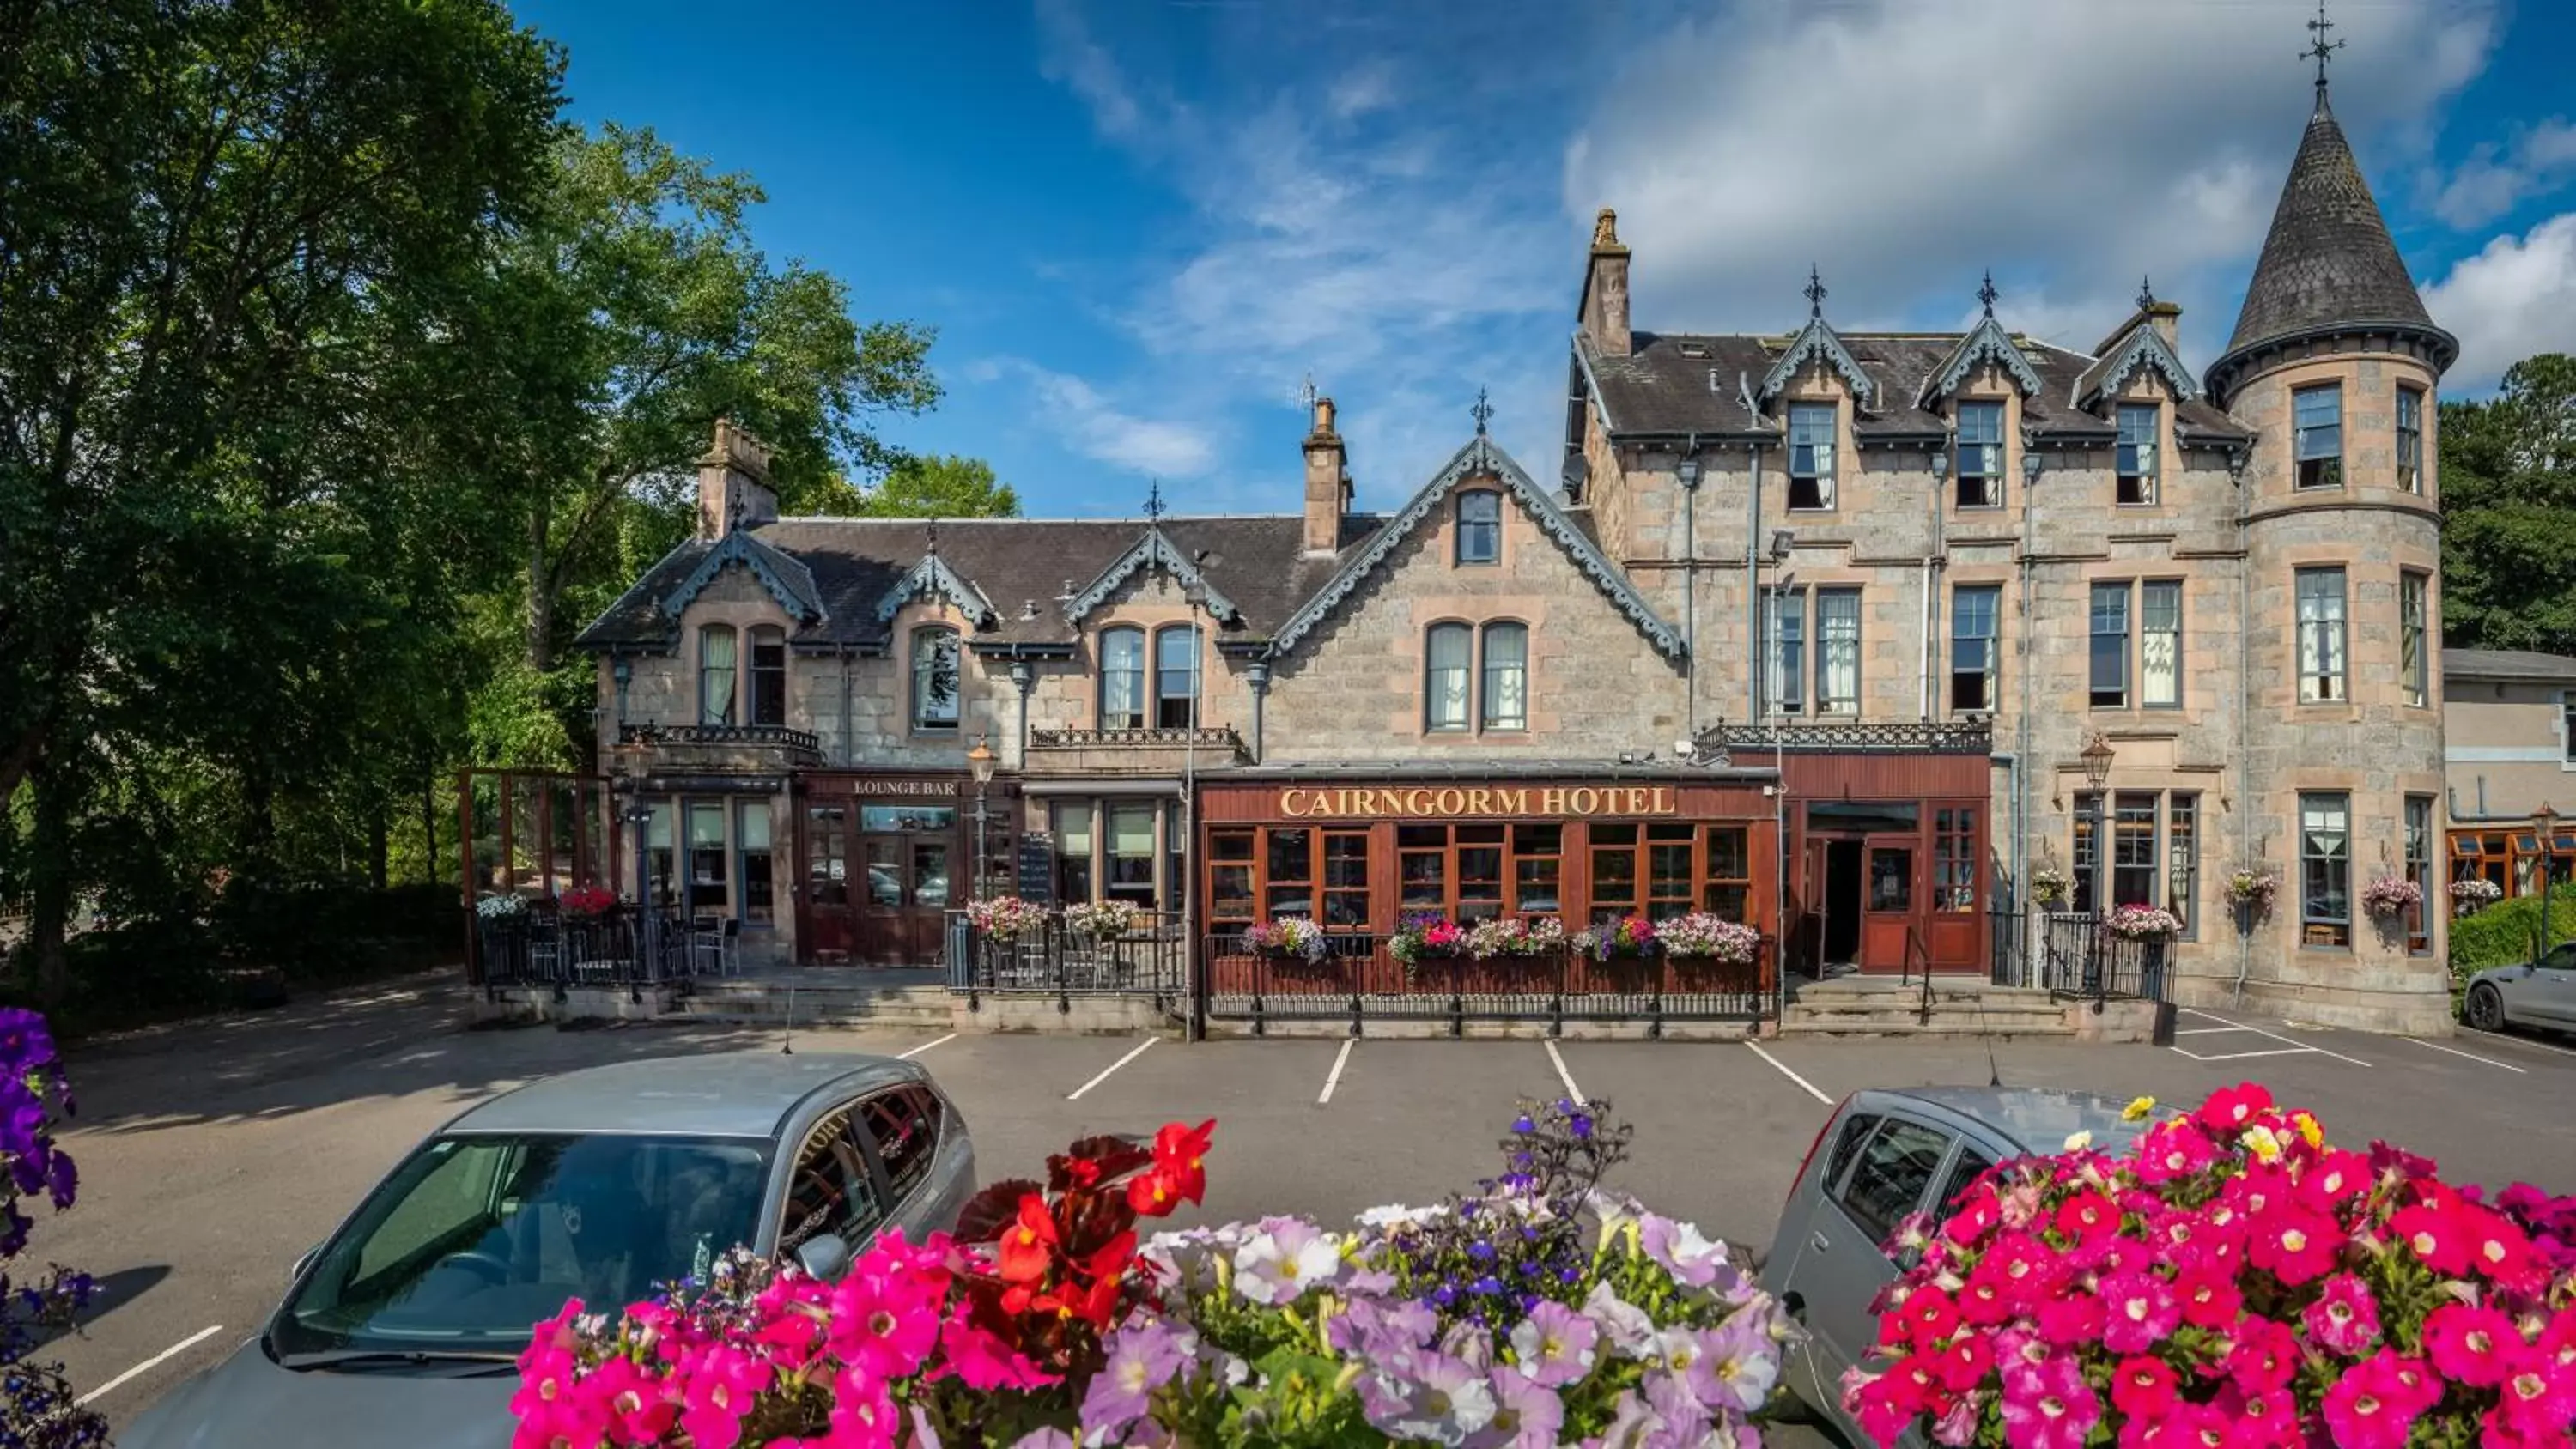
(1853, 636)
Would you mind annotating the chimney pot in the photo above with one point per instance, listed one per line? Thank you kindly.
(1604, 312)
(733, 482)
(1328, 482)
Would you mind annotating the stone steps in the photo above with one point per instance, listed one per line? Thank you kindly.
(1963, 1008)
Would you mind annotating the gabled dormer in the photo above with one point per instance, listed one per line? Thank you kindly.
(933, 580)
(1815, 387)
(1155, 551)
(2137, 383)
(1980, 384)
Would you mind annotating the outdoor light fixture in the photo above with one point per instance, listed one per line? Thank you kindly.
(2096, 756)
(981, 760)
(1781, 539)
(1940, 463)
(1688, 472)
(2029, 464)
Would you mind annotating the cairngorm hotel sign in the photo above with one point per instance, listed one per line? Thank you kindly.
(1442, 802)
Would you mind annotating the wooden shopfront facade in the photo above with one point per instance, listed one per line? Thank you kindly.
(1360, 854)
(1889, 866)
(884, 857)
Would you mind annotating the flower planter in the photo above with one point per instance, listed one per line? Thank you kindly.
(1712, 975)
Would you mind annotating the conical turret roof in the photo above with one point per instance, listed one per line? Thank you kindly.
(2328, 259)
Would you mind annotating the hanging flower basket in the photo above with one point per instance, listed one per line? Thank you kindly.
(2391, 896)
(2142, 923)
(2050, 887)
(2253, 889)
(2475, 894)
(583, 903)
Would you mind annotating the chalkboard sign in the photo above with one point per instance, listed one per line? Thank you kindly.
(1037, 867)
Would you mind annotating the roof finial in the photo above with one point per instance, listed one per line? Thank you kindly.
(2146, 294)
(1815, 292)
(1482, 412)
(2319, 49)
(932, 527)
(1986, 292)
(1154, 502)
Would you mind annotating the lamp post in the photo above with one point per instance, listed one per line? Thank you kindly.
(1194, 595)
(2546, 820)
(2097, 755)
(639, 813)
(981, 760)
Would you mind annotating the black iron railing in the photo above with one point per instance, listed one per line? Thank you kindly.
(1357, 981)
(802, 742)
(2078, 958)
(1058, 960)
(611, 949)
(1937, 737)
(1200, 737)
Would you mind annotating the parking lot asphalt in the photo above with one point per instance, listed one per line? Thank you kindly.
(213, 1154)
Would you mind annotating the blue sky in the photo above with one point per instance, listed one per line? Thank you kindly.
(1139, 226)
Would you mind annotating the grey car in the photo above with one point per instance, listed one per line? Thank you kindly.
(2535, 993)
(1882, 1156)
(399, 1331)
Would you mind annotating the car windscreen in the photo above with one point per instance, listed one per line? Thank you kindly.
(477, 1236)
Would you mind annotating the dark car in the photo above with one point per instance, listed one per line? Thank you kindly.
(2539, 992)
(1883, 1156)
(399, 1331)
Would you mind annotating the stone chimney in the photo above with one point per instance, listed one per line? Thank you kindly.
(733, 483)
(2153, 311)
(1328, 482)
(1605, 289)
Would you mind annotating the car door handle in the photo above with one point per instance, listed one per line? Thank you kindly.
(1818, 1242)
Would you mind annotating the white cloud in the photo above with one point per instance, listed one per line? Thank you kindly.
(1088, 423)
(1905, 147)
(1078, 63)
(2495, 179)
(2515, 298)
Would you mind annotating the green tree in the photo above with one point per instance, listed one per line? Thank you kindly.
(629, 316)
(922, 486)
(2508, 481)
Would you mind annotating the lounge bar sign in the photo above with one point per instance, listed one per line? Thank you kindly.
(1443, 802)
(905, 787)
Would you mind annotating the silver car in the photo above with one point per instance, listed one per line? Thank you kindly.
(1882, 1156)
(2535, 993)
(399, 1331)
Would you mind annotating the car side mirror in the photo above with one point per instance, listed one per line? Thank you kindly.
(825, 1255)
(302, 1262)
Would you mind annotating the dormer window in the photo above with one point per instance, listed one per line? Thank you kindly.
(934, 678)
(1480, 527)
(1811, 455)
(2136, 454)
(1981, 455)
(2316, 416)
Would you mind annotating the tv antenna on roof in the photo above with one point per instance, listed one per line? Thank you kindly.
(1306, 393)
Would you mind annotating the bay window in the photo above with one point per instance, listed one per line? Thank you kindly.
(2414, 662)
(768, 676)
(2410, 439)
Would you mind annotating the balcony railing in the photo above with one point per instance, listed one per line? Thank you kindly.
(1196, 737)
(759, 736)
(1938, 737)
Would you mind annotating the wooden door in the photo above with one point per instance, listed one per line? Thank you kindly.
(905, 895)
(826, 916)
(1891, 903)
(1807, 917)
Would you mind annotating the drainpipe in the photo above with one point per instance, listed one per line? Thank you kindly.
(2245, 694)
(1258, 676)
(1688, 472)
(2021, 724)
(1923, 629)
(849, 749)
(1756, 658)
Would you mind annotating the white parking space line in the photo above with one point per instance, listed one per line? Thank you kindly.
(925, 1046)
(1341, 1059)
(2528, 1042)
(2242, 1056)
(1783, 1068)
(2211, 1030)
(149, 1364)
(1565, 1076)
(2275, 1036)
(1076, 1094)
(2472, 1056)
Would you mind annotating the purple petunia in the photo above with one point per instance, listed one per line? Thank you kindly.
(1555, 1345)
(1142, 1358)
(1427, 1396)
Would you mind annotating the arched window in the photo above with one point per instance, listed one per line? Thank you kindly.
(1122, 679)
(1176, 677)
(1506, 701)
(1447, 657)
(1480, 527)
(715, 674)
(768, 676)
(934, 678)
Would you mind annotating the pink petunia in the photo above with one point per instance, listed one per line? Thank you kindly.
(2296, 1245)
(2365, 1409)
(1965, 1362)
(2435, 1235)
(2072, 1320)
(2139, 1312)
(2265, 1357)
(2501, 1250)
(2334, 1178)
(1975, 1217)
(2085, 1216)
(2050, 1408)
(724, 1385)
(2471, 1344)
(1928, 1316)
(2171, 1150)
(2209, 1299)
(2231, 1110)
(983, 1361)
(2345, 1317)
(2537, 1399)
(884, 1327)
(2143, 1387)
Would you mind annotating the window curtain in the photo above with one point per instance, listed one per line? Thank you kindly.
(1122, 679)
(2160, 643)
(715, 674)
(1447, 685)
(1838, 637)
(2321, 642)
(1786, 687)
(1506, 677)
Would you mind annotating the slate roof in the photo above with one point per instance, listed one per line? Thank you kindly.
(2521, 664)
(1257, 562)
(2328, 258)
(1664, 388)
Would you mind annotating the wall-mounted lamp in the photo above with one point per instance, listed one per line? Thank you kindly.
(2096, 755)
(1688, 472)
(2029, 465)
(1781, 542)
(1940, 463)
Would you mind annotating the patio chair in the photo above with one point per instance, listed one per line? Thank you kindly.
(707, 945)
(729, 954)
(545, 948)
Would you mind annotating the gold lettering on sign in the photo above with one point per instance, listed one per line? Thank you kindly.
(1299, 802)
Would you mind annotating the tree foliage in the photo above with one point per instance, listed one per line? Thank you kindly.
(2508, 481)
(926, 486)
